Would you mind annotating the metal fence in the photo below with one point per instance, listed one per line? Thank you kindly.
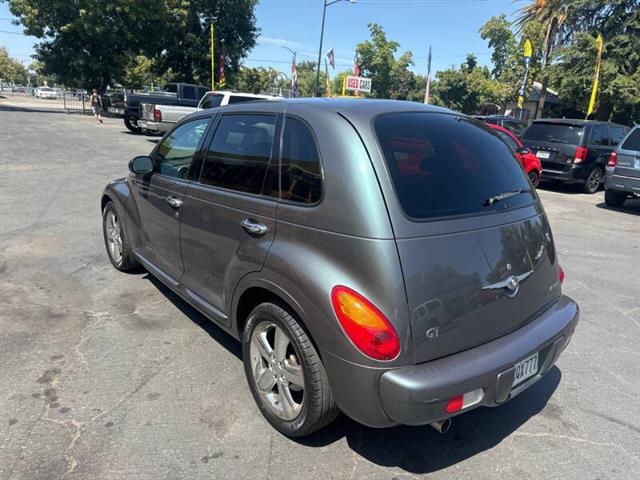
(76, 102)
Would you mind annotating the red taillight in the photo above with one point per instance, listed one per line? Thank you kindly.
(157, 115)
(613, 159)
(364, 324)
(560, 273)
(581, 155)
(454, 404)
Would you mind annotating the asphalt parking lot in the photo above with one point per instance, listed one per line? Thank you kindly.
(105, 375)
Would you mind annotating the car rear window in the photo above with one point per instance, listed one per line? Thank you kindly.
(633, 141)
(447, 165)
(554, 133)
(212, 100)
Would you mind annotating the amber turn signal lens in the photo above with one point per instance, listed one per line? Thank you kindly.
(364, 324)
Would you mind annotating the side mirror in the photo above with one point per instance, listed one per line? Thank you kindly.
(523, 151)
(141, 165)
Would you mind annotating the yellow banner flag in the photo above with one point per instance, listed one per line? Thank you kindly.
(596, 77)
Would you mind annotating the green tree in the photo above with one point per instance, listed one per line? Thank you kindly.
(139, 72)
(187, 46)
(11, 70)
(258, 80)
(376, 59)
(469, 88)
(508, 48)
(561, 20)
(91, 43)
(619, 94)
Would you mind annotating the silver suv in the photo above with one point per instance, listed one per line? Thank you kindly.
(385, 259)
(622, 179)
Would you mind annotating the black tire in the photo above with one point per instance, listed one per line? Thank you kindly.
(127, 262)
(592, 184)
(132, 124)
(318, 406)
(614, 198)
(534, 177)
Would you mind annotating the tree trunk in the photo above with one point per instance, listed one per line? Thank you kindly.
(549, 41)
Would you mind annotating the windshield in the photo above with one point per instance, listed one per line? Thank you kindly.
(554, 133)
(448, 165)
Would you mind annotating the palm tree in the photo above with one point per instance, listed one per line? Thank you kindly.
(554, 14)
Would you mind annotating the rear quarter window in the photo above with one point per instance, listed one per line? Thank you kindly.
(446, 165)
(633, 141)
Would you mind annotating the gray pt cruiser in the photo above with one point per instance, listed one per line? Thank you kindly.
(384, 259)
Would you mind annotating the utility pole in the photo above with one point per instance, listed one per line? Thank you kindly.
(324, 14)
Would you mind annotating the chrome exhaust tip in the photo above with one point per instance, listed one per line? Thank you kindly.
(442, 426)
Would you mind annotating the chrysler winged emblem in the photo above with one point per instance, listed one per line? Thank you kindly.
(510, 285)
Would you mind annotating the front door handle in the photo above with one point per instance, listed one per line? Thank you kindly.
(174, 202)
(254, 228)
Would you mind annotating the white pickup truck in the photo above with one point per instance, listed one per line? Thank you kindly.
(160, 118)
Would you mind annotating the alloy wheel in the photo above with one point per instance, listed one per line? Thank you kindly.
(114, 237)
(276, 370)
(594, 180)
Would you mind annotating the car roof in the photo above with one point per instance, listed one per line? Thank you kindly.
(574, 121)
(359, 109)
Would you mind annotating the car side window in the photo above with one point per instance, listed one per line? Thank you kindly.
(189, 93)
(240, 152)
(300, 170)
(508, 140)
(211, 100)
(175, 154)
(617, 134)
(633, 141)
(599, 135)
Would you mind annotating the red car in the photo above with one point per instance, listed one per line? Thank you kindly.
(529, 161)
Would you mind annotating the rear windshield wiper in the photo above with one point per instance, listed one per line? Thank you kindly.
(504, 195)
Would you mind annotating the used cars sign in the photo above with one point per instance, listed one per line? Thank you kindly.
(359, 84)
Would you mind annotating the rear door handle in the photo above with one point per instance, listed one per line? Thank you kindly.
(174, 202)
(254, 228)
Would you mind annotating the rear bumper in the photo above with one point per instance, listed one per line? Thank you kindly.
(573, 174)
(152, 126)
(621, 183)
(417, 395)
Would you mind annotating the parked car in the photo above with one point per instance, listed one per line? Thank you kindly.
(46, 92)
(161, 118)
(128, 107)
(622, 180)
(529, 161)
(385, 259)
(573, 151)
(512, 124)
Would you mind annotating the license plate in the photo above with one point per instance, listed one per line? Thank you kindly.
(542, 154)
(116, 110)
(525, 369)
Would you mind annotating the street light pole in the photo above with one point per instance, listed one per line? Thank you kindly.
(324, 14)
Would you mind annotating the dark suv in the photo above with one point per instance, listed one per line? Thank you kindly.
(573, 151)
(512, 124)
(385, 259)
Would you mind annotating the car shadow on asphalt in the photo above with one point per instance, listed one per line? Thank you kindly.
(423, 450)
(631, 207)
(559, 187)
(216, 333)
(416, 450)
(11, 108)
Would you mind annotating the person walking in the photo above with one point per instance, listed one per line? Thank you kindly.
(95, 101)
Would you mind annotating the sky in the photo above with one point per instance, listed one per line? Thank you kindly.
(449, 26)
